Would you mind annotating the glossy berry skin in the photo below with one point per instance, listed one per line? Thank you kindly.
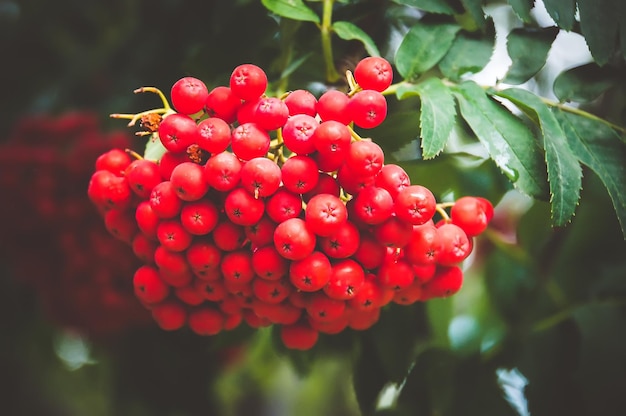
(248, 81)
(311, 273)
(249, 141)
(223, 171)
(242, 208)
(293, 239)
(237, 267)
(332, 105)
(374, 73)
(415, 204)
(299, 336)
(142, 176)
(342, 242)
(471, 214)
(346, 279)
(424, 246)
(324, 212)
(367, 109)
(271, 113)
(169, 315)
(393, 178)
(332, 140)
(164, 201)
(365, 158)
(109, 191)
(298, 133)
(455, 244)
(189, 95)
(213, 135)
(115, 161)
(188, 181)
(223, 103)
(395, 275)
(373, 205)
(260, 176)
(446, 282)
(148, 285)
(321, 308)
(268, 263)
(394, 232)
(282, 205)
(169, 161)
(177, 132)
(173, 236)
(199, 217)
(300, 174)
(206, 321)
(301, 102)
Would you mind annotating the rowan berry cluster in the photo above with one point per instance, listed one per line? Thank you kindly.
(272, 210)
(52, 241)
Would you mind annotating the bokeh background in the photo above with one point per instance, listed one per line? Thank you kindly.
(538, 329)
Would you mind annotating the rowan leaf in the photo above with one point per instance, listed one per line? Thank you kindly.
(564, 170)
(350, 31)
(522, 8)
(154, 148)
(510, 144)
(528, 49)
(431, 6)
(563, 12)
(423, 46)
(291, 9)
(475, 9)
(469, 53)
(599, 147)
(602, 22)
(437, 116)
(584, 83)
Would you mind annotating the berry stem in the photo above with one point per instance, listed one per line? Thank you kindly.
(134, 154)
(135, 117)
(332, 75)
(354, 134)
(158, 92)
(354, 87)
(441, 209)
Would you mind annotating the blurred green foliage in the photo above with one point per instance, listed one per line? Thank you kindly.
(539, 327)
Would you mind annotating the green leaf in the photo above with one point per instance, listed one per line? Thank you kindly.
(522, 8)
(423, 46)
(154, 148)
(508, 141)
(563, 12)
(600, 22)
(475, 9)
(438, 114)
(469, 53)
(398, 323)
(291, 9)
(597, 146)
(431, 6)
(528, 49)
(369, 375)
(350, 31)
(430, 387)
(564, 171)
(584, 83)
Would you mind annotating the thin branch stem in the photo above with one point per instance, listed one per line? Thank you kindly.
(582, 113)
(327, 47)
